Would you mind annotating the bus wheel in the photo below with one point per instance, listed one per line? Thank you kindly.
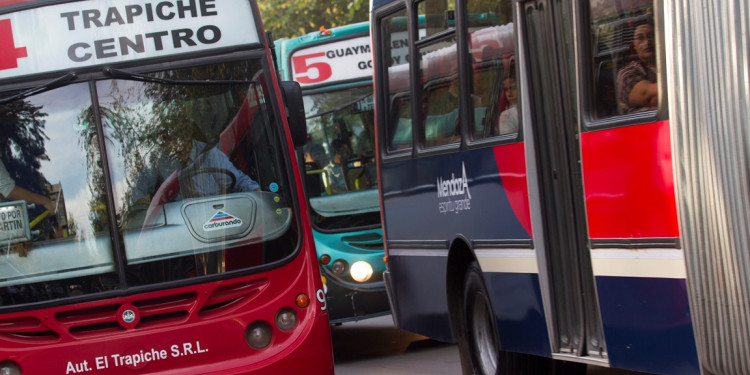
(481, 335)
(481, 344)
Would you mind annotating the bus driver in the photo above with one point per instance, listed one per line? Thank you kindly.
(200, 170)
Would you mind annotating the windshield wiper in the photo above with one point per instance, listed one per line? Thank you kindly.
(336, 109)
(61, 81)
(123, 74)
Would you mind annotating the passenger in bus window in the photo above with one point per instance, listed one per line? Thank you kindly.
(315, 159)
(441, 113)
(13, 192)
(637, 89)
(508, 121)
(400, 123)
(335, 169)
(315, 156)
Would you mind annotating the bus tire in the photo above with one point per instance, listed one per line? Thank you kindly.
(481, 345)
(479, 324)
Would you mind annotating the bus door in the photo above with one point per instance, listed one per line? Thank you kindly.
(548, 43)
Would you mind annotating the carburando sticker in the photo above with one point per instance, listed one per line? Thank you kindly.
(454, 193)
(222, 220)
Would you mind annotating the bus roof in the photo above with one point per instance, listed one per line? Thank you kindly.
(324, 34)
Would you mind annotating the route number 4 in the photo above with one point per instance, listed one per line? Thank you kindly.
(308, 72)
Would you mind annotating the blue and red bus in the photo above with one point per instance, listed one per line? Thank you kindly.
(334, 69)
(153, 218)
(577, 173)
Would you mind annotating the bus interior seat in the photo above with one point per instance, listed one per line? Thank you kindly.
(314, 179)
(356, 178)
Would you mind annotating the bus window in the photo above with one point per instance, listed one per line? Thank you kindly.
(439, 15)
(401, 112)
(340, 147)
(623, 53)
(168, 143)
(398, 128)
(49, 149)
(492, 51)
(439, 68)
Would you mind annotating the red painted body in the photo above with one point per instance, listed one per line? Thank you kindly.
(201, 328)
(511, 164)
(195, 329)
(627, 173)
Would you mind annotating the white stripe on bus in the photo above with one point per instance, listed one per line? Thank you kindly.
(508, 261)
(659, 263)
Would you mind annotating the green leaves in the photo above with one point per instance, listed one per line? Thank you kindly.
(288, 19)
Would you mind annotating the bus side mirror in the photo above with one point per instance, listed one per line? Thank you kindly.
(295, 110)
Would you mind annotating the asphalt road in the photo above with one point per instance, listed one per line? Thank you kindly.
(376, 347)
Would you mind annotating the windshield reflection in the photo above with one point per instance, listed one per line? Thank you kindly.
(341, 179)
(194, 183)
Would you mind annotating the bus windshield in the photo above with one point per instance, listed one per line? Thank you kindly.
(154, 177)
(339, 159)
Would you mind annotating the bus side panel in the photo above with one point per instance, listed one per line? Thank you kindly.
(647, 324)
(517, 303)
(483, 208)
(452, 195)
(629, 182)
(419, 302)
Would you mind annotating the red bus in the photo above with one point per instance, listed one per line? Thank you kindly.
(153, 219)
(578, 170)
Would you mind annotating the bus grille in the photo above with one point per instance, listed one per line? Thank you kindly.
(102, 318)
(27, 329)
(369, 241)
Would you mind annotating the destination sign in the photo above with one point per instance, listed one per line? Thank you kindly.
(14, 222)
(344, 60)
(89, 33)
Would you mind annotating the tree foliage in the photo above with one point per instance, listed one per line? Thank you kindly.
(288, 19)
(22, 142)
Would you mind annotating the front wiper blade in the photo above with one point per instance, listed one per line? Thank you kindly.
(61, 81)
(123, 74)
(338, 108)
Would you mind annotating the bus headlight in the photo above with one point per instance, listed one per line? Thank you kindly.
(361, 271)
(9, 368)
(258, 334)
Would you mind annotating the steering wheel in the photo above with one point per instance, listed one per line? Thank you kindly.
(190, 190)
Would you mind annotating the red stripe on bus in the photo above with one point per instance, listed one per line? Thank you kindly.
(511, 163)
(627, 173)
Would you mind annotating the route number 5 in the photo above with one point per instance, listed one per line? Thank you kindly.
(303, 68)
